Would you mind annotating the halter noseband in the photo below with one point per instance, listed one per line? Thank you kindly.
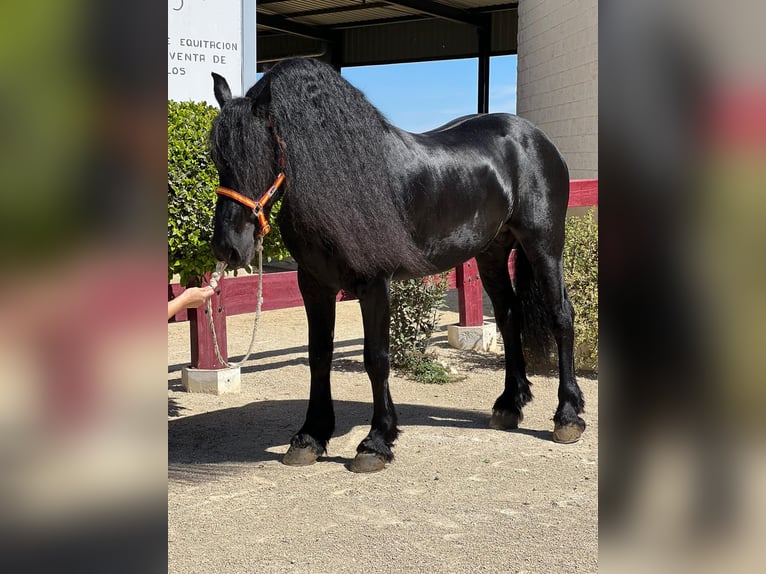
(256, 206)
(259, 206)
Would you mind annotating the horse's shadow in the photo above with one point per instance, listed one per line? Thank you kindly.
(249, 433)
(257, 361)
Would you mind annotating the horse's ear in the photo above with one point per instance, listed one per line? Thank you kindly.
(261, 94)
(221, 89)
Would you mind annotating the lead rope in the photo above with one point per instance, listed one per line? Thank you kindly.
(217, 274)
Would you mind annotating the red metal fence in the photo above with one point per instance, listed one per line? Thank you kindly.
(236, 295)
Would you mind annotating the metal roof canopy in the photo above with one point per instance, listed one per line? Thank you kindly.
(365, 32)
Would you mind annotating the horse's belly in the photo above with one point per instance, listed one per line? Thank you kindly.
(461, 243)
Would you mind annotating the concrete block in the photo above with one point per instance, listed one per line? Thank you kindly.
(482, 338)
(211, 381)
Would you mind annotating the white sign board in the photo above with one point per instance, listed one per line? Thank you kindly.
(204, 36)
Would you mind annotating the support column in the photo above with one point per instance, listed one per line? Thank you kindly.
(336, 51)
(469, 295)
(201, 339)
(206, 374)
(485, 47)
(472, 332)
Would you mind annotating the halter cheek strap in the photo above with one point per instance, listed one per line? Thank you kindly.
(230, 193)
(256, 206)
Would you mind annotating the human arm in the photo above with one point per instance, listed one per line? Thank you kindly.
(190, 298)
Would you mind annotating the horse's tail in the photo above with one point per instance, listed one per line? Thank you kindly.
(536, 334)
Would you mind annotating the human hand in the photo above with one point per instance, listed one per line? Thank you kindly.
(196, 296)
(192, 297)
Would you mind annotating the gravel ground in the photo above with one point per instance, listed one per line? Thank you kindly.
(459, 497)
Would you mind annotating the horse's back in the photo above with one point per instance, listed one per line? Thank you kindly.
(452, 123)
(519, 148)
(477, 175)
(507, 126)
(512, 145)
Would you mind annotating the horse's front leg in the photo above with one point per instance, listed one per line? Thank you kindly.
(375, 450)
(311, 440)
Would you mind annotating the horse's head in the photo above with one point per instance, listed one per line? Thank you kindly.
(243, 155)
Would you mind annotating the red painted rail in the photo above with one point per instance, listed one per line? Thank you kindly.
(236, 295)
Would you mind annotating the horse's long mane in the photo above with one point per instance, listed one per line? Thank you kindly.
(338, 154)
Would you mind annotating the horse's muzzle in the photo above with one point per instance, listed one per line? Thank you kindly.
(236, 254)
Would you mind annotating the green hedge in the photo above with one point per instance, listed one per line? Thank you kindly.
(581, 276)
(192, 179)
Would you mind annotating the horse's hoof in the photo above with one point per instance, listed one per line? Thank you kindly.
(502, 420)
(568, 433)
(296, 456)
(367, 462)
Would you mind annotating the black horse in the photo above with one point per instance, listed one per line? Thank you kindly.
(365, 202)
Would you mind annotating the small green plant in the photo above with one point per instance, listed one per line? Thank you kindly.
(192, 179)
(414, 312)
(581, 276)
(414, 315)
(425, 369)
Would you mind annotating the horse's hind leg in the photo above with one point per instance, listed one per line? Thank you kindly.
(311, 440)
(493, 267)
(545, 258)
(375, 450)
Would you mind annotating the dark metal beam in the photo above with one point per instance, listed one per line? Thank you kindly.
(488, 9)
(267, 2)
(285, 25)
(336, 10)
(382, 21)
(440, 11)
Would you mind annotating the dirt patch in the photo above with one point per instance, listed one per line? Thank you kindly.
(459, 497)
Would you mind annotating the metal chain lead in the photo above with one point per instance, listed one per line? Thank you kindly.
(217, 274)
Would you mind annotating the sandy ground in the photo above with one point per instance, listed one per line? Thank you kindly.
(459, 497)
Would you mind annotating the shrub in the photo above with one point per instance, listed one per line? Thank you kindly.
(192, 179)
(414, 314)
(581, 276)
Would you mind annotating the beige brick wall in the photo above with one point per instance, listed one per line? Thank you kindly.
(558, 77)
